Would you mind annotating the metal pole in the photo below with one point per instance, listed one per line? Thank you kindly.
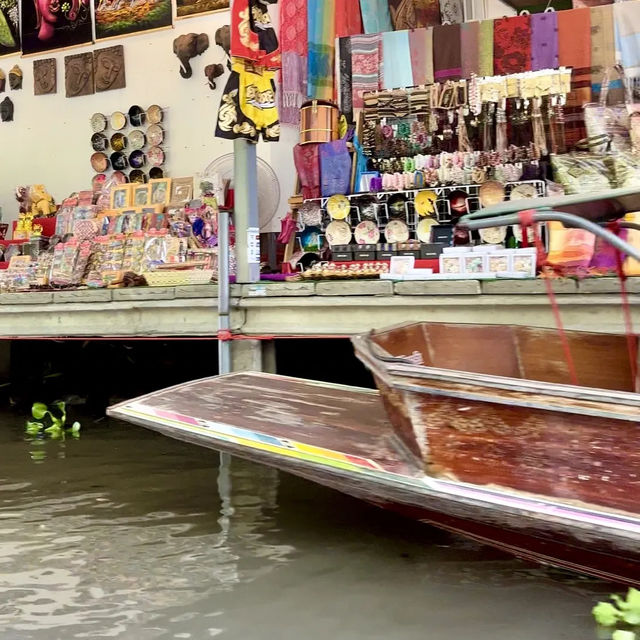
(247, 223)
(224, 322)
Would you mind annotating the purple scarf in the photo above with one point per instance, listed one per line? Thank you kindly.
(544, 41)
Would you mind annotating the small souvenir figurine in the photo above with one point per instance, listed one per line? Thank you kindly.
(22, 196)
(6, 110)
(42, 204)
(15, 78)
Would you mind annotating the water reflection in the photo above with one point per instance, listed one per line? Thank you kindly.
(130, 535)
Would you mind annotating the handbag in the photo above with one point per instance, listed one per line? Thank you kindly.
(335, 168)
(603, 119)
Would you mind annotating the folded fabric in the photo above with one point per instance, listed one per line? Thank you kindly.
(512, 45)
(485, 48)
(446, 52)
(469, 38)
(626, 17)
(544, 41)
(375, 16)
(365, 66)
(396, 60)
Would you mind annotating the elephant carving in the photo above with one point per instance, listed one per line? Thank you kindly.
(187, 46)
(213, 71)
(223, 38)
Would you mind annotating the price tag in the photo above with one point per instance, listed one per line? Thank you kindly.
(253, 245)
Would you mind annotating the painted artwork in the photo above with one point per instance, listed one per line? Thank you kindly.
(78, 75)
(51, 24)
(45, 77)
(9, 27)
(122, 17)
(189, 8)
(108, 68)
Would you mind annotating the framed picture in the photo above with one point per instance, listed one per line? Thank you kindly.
(140, 195)
(116, 19)
(160, 191)
(194, 8)
(121, 196)
(181, 191)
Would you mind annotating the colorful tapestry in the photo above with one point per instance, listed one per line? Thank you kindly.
(365, 66)
(293, 44)
(320, 58)
(446, 52)
(9, 27)
(396, 60)
(116, 18)
(544, 41)
(469, 38)
(44, 30)
(485, 48)
(512, 45)
(375, 16)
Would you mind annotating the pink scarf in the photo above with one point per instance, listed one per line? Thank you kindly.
(293, 44)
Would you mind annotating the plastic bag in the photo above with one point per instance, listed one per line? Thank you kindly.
(582, 173)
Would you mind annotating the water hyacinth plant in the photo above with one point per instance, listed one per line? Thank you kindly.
(51, 422)
(624, 615)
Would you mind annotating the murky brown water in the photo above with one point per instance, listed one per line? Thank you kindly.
(122, 534)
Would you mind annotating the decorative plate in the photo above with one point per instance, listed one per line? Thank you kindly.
(137, 176)
(155, 156)
(118, 121)
(155, 135)
(311, 239)
(119, 178)
(425, 203)
(98, 122)
(137, 139)
(119, 161)
(155, 173)
(97, 181)
(523, 192)
(99, 142)
(367, 232)
(338, 208)
(119, 142)
(396, 205)
(137, 116)
(491, 193)
(494, 235)
(338, 232)
(396, 231)
(423, 230)
(458, 201)
(99, 162)
(310, 214)
(137, 159)
(154, 114)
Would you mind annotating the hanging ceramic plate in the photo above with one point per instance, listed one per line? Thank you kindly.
(155, 135)
(425, 203)
(338, 232)
(367, 232)
(155, 173)
(118, 121)
(491, 193)
(98, 122)
(458, 202)
(119, 142)
(98, 180)
(338, 207)
(154, 114)
(396, 231)
(493, 235)
(523, 192)
(137, 116)
(137, 176)
(137, 139)
(423, 230)
(119, 161)
(99, 142)
(99, 162)
(119, 178)
(517, 234)
(155, 156)
(396, 206)
(137, 159)
(310, 239)
(310, 214)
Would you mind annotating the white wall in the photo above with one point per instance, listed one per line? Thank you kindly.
(49, 140)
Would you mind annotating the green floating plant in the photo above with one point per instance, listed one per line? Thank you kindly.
(622, 612)
(51, 423)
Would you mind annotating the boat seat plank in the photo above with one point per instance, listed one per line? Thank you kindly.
(343, 419)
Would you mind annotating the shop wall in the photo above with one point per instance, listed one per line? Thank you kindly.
(49, 140)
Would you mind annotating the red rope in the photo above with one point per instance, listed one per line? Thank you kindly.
(614, 227)
(527, 220)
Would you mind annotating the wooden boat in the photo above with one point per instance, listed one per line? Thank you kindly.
(474, 430)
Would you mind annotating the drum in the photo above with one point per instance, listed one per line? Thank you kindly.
(318, 122)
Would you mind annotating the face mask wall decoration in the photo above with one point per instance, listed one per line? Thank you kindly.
(78, 75)
(45, 77)
(6, 110)
(108, 68)
(15, 78)
(3, 81)
(187, 46)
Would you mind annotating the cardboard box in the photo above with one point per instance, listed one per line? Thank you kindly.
(385, 255)
(431, 251)
(415, 254)
(342, 256)
(365, 255)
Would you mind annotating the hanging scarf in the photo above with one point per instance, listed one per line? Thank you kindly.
(451, 11)
(485, 48)
(396, 60)
(512, 45)
(348, 19)
(345, 92)
(403, 14)
(427, 12)
(421, 45)
(375, 16)
(603, 53)
(469, 36)
(320, 60)
(626, 17)
(293, 42)
(365, 66)
(446, 52)
(544, 41)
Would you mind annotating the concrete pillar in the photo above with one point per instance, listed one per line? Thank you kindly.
(253, 355)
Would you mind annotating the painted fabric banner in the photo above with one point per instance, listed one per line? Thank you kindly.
(122, 17)
(195, 8)
(44, 29)
(9, 27)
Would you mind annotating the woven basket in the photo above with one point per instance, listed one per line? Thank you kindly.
(177, 277)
